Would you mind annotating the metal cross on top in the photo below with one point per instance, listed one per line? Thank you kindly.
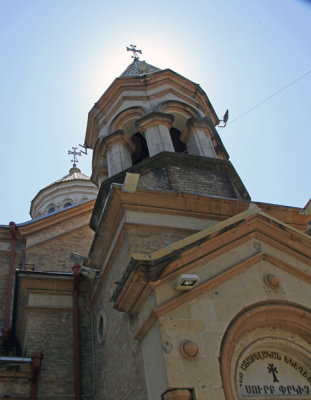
(133, 49)
(75, 153)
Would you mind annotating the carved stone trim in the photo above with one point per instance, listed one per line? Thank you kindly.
(117, 137)
(196, 124)
(286, 317)
(155, 118)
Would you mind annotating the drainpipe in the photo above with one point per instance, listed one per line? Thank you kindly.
(7, 329)
(76, 343)
(36, 359)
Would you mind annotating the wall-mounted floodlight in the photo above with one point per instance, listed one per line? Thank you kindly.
(88, 272)
(78, 259)
(186, 281)
(224, 120)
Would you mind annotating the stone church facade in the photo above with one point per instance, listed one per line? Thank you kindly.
(170, 285)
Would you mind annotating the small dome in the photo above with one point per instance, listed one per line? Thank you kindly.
(74, 173)
(138, 68)
(67, 191)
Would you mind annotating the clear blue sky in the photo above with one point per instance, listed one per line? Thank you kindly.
(58, 57)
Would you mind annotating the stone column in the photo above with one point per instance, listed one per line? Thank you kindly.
(197, 138)
(118, 148)
(156, 128)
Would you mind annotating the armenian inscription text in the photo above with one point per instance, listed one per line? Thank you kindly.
(271, 373)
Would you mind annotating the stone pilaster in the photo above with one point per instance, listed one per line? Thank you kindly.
(156, 128)
(197, 138)
(118, 148)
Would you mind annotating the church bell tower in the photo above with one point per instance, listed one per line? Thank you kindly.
(183, 257)
(162, 126)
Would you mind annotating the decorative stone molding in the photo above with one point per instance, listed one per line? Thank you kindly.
(195, 124)
(116, 138)
(271, 281)
(132, 113)
(155, 118)
(156, 128)
(171, 106)
(189, 349)
(287, 318)
(74, 187)
(197, 135)
(178, 394)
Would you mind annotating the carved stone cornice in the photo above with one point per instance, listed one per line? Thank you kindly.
(118, 136)
(196, 124)
(153, 119)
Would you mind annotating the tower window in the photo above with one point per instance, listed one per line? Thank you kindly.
(179, 146)
(141, 149)
(51, 209)
(68, 204)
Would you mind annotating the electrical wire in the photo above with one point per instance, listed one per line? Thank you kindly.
(270, 97)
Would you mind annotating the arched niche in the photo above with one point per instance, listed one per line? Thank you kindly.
(126, 119)
(266, 353)
(181, 112)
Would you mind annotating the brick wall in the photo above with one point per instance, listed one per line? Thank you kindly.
(87, 354)
(142, 240)
(118, 360)
(182, 173)
(54, 254)
(51, 333)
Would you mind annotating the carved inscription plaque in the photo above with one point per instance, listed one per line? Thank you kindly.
(266, 373)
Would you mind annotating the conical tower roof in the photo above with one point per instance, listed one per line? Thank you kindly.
(138, 68)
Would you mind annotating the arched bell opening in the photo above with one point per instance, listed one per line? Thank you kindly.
(141, 151)
(179, 145)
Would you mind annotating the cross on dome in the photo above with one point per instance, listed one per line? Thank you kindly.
(75, 153)
(135, 51)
